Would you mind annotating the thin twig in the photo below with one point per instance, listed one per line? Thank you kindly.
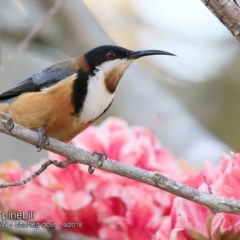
(77, 155)
(34, 175)
(32, 34)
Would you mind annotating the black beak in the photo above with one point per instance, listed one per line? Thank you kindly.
(138, 54)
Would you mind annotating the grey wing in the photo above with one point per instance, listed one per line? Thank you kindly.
(37, 81)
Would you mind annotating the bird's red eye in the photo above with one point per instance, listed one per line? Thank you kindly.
(111, 55)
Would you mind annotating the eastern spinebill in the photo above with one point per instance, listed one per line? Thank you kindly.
(65, 98)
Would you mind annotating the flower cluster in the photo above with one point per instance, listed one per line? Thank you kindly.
(107, 206)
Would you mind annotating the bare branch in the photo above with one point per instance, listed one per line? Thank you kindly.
(27, 40)
(77, 155)
(34, 175)
(228, 12)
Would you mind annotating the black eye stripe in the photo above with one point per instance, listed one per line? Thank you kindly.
(99, 55)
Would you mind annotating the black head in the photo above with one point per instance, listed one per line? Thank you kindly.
(105, 53)
(102, 54)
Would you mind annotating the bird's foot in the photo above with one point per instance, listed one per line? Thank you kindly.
(9, 124)
(43, 138)
(101, 158)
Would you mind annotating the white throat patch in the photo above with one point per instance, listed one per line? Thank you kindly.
(98, 97)
(121, 64)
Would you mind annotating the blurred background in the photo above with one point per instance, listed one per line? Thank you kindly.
(190, 101)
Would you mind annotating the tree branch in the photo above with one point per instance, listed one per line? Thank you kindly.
(76, 155)
(228, 12)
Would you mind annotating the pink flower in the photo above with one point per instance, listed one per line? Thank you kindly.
(61, 196)
(229, 179)
(185, 219)
(106, 205)
(204, 178)
(9, 172)
(227, 185)
(129, 210)
(188, 220)
(132, 145)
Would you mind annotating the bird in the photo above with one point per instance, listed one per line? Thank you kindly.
(64, 99)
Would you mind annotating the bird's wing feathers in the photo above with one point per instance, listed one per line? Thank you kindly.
(42, 79)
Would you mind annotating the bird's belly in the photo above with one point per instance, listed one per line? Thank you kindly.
(69, 131)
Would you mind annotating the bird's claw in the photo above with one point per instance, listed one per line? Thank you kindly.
(91, 169)
(43, 139)
(9, 124)
(101, 156)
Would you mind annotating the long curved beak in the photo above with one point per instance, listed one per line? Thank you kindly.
(138, 54)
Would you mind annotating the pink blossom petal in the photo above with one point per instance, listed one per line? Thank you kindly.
(73, 201)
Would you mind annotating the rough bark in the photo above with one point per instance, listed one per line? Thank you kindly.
(228, 12)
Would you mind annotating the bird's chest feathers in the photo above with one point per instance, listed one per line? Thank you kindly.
(97, 99)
